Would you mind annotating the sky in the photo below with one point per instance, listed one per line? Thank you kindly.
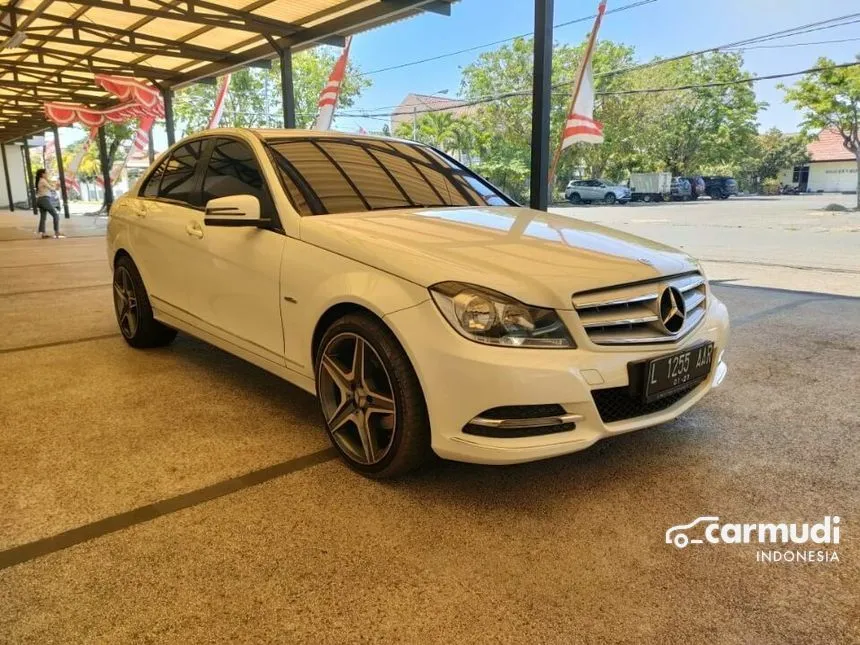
(662, 28)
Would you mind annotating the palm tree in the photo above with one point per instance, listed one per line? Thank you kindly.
(437, 129)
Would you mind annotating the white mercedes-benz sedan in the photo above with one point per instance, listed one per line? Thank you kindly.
(427, 311)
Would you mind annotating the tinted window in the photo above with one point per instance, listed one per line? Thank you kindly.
(178, 182)
(150, 188)
(346, 175)
(233, 170)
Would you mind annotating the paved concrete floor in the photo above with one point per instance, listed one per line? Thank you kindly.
(182, 495)
(788, 241)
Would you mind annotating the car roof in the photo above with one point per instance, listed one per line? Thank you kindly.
(289, 133)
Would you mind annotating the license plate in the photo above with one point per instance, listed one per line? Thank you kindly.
(668, 374)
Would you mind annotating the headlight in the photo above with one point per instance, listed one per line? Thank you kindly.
(489, 317)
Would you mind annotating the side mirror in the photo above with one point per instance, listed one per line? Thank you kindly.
(235, 210)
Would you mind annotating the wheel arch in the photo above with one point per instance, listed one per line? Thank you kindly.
(333, 313)
(120, 253)
(344, 308)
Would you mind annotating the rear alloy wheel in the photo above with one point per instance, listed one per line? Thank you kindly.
(575, 198)
(609, 198)
(370, 399)
(133, 310)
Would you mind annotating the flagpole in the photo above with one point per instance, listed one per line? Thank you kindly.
(577, 85)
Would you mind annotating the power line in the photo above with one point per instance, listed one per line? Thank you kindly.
(653, 90)
(754, 79)
(784, 33)
(815, 42)
(632, 5)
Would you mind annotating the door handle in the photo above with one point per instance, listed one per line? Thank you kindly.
(194, 230)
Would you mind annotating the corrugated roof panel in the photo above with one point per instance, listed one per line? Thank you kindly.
(65, 60)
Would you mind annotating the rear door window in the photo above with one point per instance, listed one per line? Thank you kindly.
(179, 181)
(150, 188)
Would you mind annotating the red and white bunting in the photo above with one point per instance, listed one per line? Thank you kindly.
(331, 91)
(581, 125)
(215, 119)
(140, 100)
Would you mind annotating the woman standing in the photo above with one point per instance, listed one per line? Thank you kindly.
(43, 201)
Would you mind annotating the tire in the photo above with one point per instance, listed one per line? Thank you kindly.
(609, 198)
(646, 198)
(694, 196)
(385, 410)
(133, 309)
(574, 198)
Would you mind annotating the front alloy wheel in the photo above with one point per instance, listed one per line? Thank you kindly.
(609, 198)
(370, 398)
(357, 399)
(125, 302)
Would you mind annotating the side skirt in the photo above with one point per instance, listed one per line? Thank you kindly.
(291, 376)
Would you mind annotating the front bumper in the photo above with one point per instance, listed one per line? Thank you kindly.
(462, 379)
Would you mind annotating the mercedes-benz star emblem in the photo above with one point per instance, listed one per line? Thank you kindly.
(673, 312)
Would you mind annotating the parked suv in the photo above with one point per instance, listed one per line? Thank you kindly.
(697, 184)
(596, 190)
(720, 187)
(681, 189)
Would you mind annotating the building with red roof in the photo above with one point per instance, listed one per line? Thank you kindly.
(832, 167)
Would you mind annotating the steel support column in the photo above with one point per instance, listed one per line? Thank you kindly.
(287, 93)
(61, 171)
(103, 160)
(151, 145)
(541, 98)
(167, 94)
(28, 173)
(6, 172)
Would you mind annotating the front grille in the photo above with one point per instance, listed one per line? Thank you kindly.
(617, 403)
(640, 312)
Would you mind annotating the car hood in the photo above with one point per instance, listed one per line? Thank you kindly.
(539, 258)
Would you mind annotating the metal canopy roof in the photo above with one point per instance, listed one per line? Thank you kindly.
(170, 42)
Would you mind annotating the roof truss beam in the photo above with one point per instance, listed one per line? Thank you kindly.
(124, 39)
(346, 23)
(214, 15)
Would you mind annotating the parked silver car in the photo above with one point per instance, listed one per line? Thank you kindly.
(595, 190)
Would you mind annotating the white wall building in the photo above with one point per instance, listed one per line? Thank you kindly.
(832, 168)
(17, 176)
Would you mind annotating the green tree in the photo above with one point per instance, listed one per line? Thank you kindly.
(686, 131)
(830, 99)
(771, 153)
(434, 128)
(254, 98)
(501, 129)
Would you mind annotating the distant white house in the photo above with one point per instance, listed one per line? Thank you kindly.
(832, 168)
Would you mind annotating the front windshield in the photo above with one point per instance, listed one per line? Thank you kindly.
(325, 175)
